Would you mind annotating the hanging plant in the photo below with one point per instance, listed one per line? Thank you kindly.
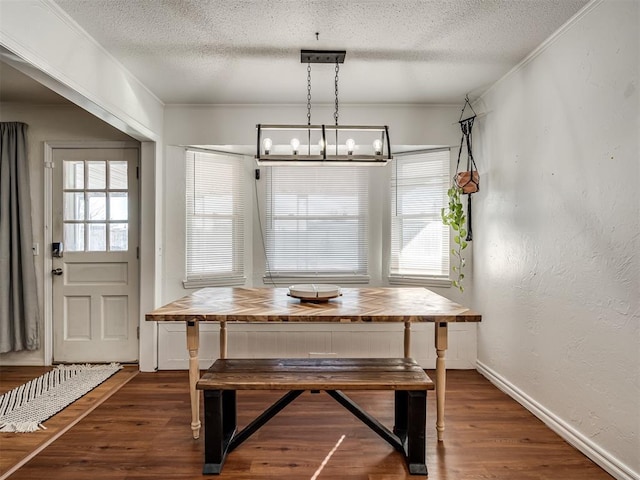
(464, 182)
(454, 217)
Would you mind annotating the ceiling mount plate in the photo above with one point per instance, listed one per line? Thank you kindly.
(322, 56)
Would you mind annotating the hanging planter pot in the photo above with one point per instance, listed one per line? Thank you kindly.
(468, 182)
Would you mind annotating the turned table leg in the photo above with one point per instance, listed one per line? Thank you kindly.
(407, 339)
(193, 343)
(223, 339)
(441, 375)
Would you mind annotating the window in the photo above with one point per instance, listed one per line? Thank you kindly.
(317, 222)
(215, 219)
(419, 240)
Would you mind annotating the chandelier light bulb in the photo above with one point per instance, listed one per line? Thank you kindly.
(295, 143)
(351, 143)
(267, 143)
(377, 146)
(321, 145)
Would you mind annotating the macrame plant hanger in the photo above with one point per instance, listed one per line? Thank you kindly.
(468, 181)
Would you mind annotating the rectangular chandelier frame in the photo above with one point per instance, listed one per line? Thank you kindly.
(325, 157)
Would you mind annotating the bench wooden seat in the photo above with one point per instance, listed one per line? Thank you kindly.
(401, 375)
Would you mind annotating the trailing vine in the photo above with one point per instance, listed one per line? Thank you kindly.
(454, 217)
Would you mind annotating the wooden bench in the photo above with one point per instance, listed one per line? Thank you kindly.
(402, 375)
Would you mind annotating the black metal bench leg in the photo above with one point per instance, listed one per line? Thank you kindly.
(401, 405)
(229, 417)
(416, 435)
(219, 427)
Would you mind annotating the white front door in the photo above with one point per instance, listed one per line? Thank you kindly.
(95, 272)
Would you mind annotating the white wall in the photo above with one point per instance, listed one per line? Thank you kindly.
(557, 237)
(47, 124)
(236, 125)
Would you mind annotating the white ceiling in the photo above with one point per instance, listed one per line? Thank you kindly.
(403, 51)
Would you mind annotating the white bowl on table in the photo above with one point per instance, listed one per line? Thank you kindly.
(314, 292)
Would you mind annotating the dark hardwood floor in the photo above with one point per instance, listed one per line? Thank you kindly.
(142, 432)
(18, 448)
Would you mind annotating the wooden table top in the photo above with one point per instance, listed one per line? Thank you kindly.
(236, 304)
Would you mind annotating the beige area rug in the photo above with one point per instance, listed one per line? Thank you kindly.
(24, 408)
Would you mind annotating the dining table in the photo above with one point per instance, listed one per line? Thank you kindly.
(405, 305)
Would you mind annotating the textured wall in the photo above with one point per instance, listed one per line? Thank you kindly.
(557, 231)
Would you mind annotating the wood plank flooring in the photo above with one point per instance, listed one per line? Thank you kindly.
(17, 448)
(142, 432)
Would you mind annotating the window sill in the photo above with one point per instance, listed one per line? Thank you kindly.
(420, 281)
(286, 280)
(214, 282)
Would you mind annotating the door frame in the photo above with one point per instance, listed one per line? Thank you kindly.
(49, 147)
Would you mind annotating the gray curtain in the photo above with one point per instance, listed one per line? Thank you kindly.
(19, 307)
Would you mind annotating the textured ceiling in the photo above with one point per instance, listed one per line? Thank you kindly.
(409, 51)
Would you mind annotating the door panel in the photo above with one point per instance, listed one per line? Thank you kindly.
(95, 281)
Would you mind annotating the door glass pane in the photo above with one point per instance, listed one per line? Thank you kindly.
(73, 206)
(118, 237)
(74, 237)
(95, 221)
(73, 174)
(97, 238)
(118, 175)
(97, 204)
(118, 206)
(96, 174)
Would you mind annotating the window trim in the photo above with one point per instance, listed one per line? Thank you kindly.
(420, 280)
(290, 278)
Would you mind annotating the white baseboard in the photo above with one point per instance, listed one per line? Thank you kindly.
(15, 361)
(604, 459)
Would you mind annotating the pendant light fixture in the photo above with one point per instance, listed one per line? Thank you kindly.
(322, 144)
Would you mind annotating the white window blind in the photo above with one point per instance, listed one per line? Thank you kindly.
(419, 240)
(317, 221)
(215, 219)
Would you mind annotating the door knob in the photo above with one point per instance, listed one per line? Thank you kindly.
(57, 271)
